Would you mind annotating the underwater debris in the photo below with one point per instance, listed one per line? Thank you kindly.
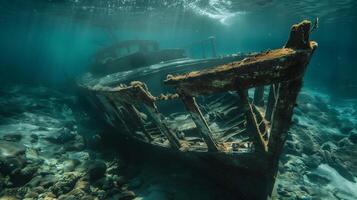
(247, 157)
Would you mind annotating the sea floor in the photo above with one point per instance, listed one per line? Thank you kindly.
(51, 149)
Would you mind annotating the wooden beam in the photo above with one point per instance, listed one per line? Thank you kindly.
(119, 116)
(161, 124)
(286, 99)
(272, 100)
(252, 125)
(262, 69)
(259, 96)
(289, 90)
(138, 119)
(137, 94)
(282, 115)
(199, 120)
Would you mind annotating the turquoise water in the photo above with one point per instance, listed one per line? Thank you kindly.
(51, 38)
(46, 43)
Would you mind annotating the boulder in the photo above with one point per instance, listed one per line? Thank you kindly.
(65, 184)
(345, 142)
(346, 126)
(20, 177)
(329, 146)
(313, 161)
(8, 198)
(34, 138)
(11, 149)
(292, 148)
(62, 136)
(317, 179)
(70, 165)
(12, 156)
(13, 137)
(75, 145)
(96, 170)
(353, 136)
(127, 195)
(340, 167)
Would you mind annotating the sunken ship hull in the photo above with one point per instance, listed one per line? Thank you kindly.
(227, 117)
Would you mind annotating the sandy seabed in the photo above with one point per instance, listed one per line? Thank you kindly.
(49, 149)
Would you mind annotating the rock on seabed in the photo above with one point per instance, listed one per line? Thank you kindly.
(42, 149)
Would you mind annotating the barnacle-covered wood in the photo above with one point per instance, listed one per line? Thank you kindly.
(161, 124)
(286, 99)
(300, 36)
(138, 94)
(289, 90)
(135, 93)
(265, 68)
(252, 124)
(201, 123)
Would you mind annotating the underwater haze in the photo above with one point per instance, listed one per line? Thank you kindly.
(50, 143)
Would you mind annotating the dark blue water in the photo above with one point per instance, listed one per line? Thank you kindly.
(44, 44)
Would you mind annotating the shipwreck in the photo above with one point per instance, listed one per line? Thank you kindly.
(229, 116)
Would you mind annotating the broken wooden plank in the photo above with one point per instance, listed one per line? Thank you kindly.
(138, 119)
(263, 124)
(135, 93)
(119, 116)
(138, 94)
(199, 120)
(252, 125)
(160, 123)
